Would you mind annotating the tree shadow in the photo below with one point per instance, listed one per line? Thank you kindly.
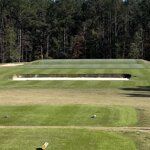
(138, 95)
(39, 149)
(140, 91)
(139, 88)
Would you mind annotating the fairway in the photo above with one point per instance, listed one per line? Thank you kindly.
(86, 64)
(73, 115)
(61, 112)
(140, 76)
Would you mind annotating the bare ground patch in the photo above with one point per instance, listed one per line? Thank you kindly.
(74, 96)
(111, 129)
(11, 64)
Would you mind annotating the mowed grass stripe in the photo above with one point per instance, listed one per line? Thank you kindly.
(140, 77)
(85, 66)
(64, 139)
(85, 61)
(79, 115)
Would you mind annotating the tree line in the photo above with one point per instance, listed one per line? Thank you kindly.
(44, 29)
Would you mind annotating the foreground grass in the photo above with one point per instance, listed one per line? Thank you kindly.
(68, 115)
(64, 139)
(142, 140)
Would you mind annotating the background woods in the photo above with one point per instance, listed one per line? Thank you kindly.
(40, 29)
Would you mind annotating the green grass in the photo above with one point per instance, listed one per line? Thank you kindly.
(141, 139)
(99, 92)
(67, 115)
(86, 64)
(85, 61)
(137, 68)
(63, 139)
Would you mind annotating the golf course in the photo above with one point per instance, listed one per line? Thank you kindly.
(76, 114)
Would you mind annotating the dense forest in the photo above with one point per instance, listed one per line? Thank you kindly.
(42, 29)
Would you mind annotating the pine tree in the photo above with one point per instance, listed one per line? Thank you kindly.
(136, 48)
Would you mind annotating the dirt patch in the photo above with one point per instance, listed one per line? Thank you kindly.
(115, 129)
(66, 96)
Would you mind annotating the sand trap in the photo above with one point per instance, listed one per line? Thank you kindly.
(72, 77)
(12, 64)
(67, 79)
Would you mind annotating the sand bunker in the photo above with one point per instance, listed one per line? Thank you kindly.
(72, 77)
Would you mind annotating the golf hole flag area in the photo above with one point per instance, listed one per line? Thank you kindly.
(75, 105)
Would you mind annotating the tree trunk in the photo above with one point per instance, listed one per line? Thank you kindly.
(64, 41)
(20, 45)
(47, 47)
(41, 52)
(2, 48)
(142, 44)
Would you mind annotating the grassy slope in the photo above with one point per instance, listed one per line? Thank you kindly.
(138, 68)
(72, 115)
(140, 79)
(63, 139)
(27, 138)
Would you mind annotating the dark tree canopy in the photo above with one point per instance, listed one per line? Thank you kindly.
(42, 29)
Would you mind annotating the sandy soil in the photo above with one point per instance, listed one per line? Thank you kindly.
(115, 129)
(11, 64)
(66, 96)
(67, 79)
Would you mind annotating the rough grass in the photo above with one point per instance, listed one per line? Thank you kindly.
(64, 139)
(142, 140)
(68, 115)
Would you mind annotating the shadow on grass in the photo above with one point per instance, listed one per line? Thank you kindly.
(140, 91)
(39, 149)
(139, 88)
(138, 95)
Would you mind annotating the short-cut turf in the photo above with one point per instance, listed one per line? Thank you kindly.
(127, 95)
(137, 68)
(63, 139)
(68, 115)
